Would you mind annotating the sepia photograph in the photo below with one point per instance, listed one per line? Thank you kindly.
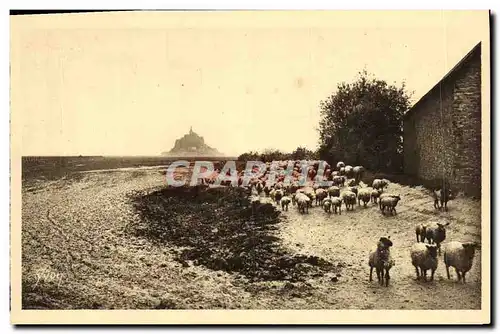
(326, 167)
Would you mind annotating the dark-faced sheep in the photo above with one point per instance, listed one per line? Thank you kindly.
(381, 260)
(459, 255)
(441, 198)
(424, 257)
(435, 232)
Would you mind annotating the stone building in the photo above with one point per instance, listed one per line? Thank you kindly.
(442, 131)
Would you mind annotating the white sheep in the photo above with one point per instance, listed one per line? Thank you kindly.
(459, 255)
(278, 195)
(303, 202)
(327, 204)
(389, 202)
(364, 194)
(340, 164)
(336, 204)
(348, 170)
(424, 257)
(285, 201)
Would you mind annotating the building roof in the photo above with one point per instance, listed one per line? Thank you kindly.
(475, 50)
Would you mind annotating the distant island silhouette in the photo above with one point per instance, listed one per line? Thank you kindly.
(192, 144)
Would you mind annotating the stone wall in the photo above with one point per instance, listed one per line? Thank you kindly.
(442, 132)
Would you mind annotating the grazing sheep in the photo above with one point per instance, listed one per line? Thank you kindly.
(435, 232)
(375, 195)
(338, 181)
(340, 165)
(321, 194)
(351, 182)
(424, 256)
(349, 199)
(390, 203)
(380, 184)
(327, 205)
(303, 202)
(441, 197)
(336, 204)
(364, 194)
(309, 192)
(334, 191)
(381, 260)
(358, 172)
(285, 200)
(459, 255)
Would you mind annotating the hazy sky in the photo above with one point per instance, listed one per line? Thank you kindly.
(131, 83)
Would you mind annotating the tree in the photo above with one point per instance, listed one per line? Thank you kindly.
(302, 153)
(362, 124)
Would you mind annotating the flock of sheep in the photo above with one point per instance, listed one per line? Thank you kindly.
(348, 190)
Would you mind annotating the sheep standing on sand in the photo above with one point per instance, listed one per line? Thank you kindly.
(459, 255)
(364, 194)
(420, 232)
(278, 195)
(424, 256)
(334, 191)
(435, 232)
(389, 202)
(321, 194)
(303, 202)
(380, 184)
(441, 197)
(375, 195)
(336, 204)
(358, 172)
(381, 260)
(349, 198)
(327, 205)
(285, 201)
